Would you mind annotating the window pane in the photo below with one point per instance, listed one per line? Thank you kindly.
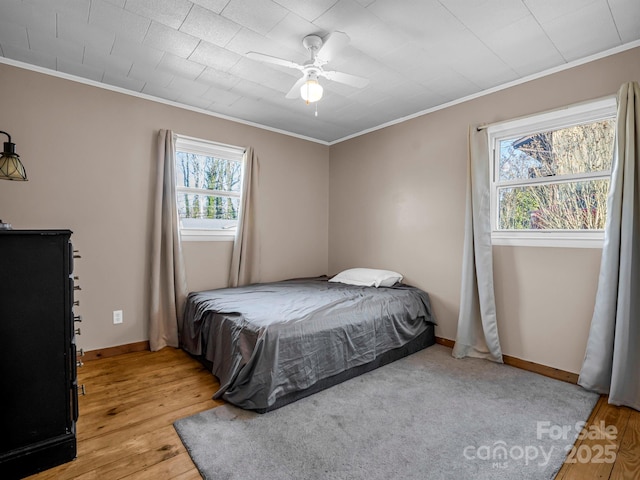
(212, 173)
(557, 206)
(578, 149)
(207, 211)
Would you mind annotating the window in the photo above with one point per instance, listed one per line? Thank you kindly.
(550, 177)
(208, 187)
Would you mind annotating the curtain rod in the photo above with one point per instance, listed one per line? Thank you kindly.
(484, 126)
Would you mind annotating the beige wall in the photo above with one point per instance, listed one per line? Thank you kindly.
(89, 155)
(397, 201)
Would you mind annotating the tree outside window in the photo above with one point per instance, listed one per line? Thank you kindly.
(563, 197)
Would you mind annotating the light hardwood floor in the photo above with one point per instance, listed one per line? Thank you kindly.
(126, 420)
(125, 429)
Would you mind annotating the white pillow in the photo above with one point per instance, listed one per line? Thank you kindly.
(367, 277)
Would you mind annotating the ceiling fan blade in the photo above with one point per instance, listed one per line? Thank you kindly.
(295, 90)
(332, 44)
(346, 78)
(261, 57)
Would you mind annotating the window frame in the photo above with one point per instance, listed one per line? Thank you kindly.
(587, 112)
(209, 148)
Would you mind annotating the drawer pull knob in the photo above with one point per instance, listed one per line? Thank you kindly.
(79, 363)
(77, 318)
(81, 390)
(77, 287)
(77, 331)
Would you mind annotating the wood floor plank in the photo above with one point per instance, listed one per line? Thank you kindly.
(596, 454)
(117, 368)
(128, 384)
(114, 401)
(192, 474)
(128, 411)
(145, 453)
(154, 457)
(106, 379)
(601, 404)
(169, 468)
(627, 464)
(106, 449)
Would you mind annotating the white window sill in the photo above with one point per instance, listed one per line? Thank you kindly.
(195, 235)
(549, 239)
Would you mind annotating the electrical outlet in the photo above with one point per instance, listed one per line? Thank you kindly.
(117, 317)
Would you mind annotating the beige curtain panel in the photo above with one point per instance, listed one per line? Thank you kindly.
(168, 280)
(477, 334)
(612, 360)
(244, 256)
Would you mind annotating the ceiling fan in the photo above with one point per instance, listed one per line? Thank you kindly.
(321, 51)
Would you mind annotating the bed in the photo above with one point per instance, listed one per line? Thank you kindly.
(273, 343)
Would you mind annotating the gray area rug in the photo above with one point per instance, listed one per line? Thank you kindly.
(427, 416)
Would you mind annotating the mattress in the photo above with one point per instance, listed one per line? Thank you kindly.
(272, 343)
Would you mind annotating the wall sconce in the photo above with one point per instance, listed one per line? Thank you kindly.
(11, 167)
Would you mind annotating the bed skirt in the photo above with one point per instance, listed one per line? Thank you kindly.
(422, 341)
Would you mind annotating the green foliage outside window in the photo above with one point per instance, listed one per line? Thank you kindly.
(556, 199)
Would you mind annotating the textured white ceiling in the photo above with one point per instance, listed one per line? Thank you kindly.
(418, 54)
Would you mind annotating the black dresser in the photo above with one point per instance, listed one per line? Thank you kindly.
(37, 352)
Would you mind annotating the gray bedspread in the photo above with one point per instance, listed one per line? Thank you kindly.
(267, 340)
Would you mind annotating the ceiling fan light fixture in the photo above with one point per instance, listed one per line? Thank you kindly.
(311, 90)
(321, 51)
